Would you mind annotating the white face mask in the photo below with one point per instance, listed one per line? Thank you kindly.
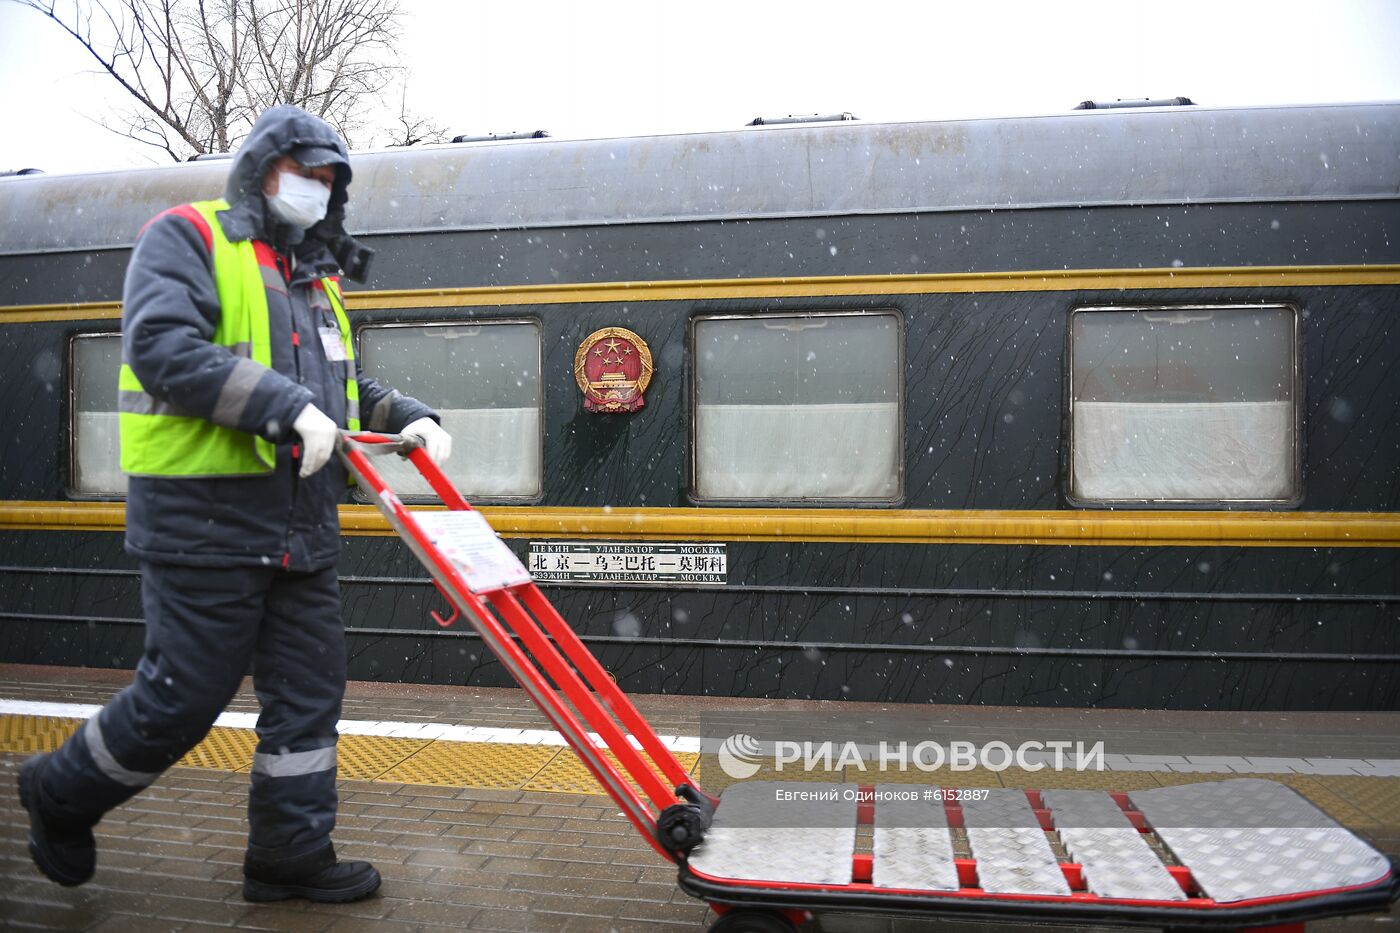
(299, 201)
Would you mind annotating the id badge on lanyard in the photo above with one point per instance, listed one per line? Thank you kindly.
(332, 344)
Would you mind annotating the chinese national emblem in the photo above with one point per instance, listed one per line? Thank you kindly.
(613, 368)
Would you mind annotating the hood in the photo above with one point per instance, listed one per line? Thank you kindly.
(276, 133)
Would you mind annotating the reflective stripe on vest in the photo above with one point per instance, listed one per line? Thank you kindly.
(158, 439)
(352, 384)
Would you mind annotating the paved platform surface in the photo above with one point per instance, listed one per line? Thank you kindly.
(469, 841)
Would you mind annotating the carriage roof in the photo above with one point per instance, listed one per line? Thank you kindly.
(1168, 155)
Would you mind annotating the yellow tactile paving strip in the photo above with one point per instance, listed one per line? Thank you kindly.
(567, 774)
(374, 756)
(35, 733)
(468, 764)
(223, 750)
(1359, 802)
(1336, 804)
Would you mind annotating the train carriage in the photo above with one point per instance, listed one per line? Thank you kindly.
(1090, 409)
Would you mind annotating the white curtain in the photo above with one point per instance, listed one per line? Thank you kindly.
(845, 451)
(1169, 450)
(495, 453)
(99, 468)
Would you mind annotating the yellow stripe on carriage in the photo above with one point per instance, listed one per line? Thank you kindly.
(1069, 527)
(1052, 280)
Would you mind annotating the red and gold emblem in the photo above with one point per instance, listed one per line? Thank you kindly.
(613, 368)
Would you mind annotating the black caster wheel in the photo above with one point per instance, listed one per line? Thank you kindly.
(752, 921)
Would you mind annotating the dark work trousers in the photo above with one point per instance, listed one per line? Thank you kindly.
(204, 626)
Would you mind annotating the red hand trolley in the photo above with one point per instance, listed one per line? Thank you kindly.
(1243, 853)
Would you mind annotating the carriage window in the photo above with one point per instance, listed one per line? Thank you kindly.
(483, 379)
(1184, 404)
(96, 454)
(797, 407)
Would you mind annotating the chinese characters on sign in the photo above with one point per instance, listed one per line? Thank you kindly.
(599, 562)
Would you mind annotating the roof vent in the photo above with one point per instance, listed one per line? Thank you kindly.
(804, 118)
(498, 137)
(1134, 102)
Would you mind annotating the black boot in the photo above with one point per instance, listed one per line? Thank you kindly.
(316, 876)
(64, 850)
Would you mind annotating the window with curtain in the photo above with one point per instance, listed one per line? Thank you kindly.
(483, 379)
(1185, 403)
(96, 452)
(798, 406)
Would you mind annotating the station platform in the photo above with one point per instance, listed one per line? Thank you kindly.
(480, 818)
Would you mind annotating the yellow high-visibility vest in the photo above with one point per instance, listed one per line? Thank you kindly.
(157, 439)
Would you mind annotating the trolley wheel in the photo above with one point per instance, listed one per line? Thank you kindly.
(752, 921)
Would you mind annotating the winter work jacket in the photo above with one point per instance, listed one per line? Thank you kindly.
(159, 439)
(170, 324)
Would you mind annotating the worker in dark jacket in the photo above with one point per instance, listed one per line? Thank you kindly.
(237, 372)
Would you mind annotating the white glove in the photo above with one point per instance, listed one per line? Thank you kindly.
(437, 441)
(318, 437)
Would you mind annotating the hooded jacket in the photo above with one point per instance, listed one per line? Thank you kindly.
(170, 312)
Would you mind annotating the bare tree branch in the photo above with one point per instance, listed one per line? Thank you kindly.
(198, 72)
(412, 128)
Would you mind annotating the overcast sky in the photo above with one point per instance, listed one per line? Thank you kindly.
(581, 69)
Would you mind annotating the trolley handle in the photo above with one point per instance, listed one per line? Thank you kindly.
(375, 444)
(356, 447)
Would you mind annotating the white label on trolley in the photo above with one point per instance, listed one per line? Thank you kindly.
(482, 558)
(618, 562)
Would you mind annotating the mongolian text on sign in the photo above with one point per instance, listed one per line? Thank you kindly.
(605, 562)
(483, 559)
